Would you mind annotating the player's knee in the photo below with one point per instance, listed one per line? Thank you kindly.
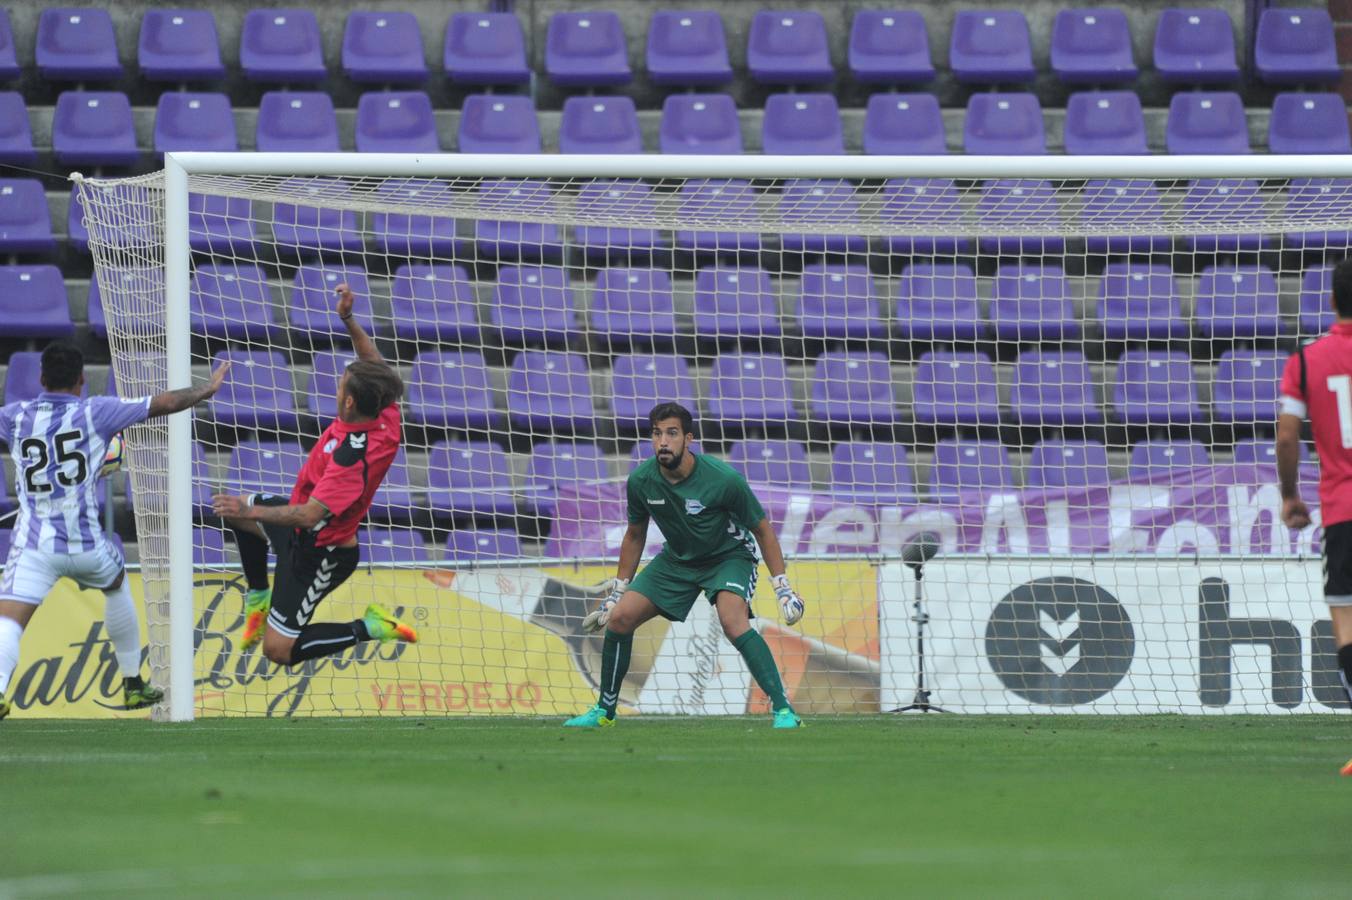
(117, 582)
(277, 648)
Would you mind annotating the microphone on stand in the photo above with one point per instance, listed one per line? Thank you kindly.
(917, 551)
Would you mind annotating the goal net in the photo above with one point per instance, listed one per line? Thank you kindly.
(1012, 419)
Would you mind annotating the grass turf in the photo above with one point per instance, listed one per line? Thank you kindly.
(939, 806)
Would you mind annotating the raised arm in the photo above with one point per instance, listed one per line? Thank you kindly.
(361, 341)
(167, 403)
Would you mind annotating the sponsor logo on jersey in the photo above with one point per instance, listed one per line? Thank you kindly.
(693, 507)
(733, 584)
(658, 502)
(328, 447)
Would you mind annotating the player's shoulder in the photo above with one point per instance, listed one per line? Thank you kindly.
(644, 471)
(714, 468)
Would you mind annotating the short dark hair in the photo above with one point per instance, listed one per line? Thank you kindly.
(671, 410)
(373, 386)
(62, 365)
(1342, 288)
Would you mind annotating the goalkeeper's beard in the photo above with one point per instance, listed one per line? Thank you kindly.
(671, 462)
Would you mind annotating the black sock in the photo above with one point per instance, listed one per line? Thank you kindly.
(614, 666)
(326, 639)
(253, 553)
(1345, 669)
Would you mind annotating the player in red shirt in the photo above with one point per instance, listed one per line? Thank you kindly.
(314, 534)
(1317, 385)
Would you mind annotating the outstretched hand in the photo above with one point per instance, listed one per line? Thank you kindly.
(345, 300)
(217, 379)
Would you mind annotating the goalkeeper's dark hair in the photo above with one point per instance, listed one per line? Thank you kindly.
(1342, 288)
(670, 410)
(373, 386)
(62, 365)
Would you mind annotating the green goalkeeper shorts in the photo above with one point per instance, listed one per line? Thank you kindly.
(673, 587)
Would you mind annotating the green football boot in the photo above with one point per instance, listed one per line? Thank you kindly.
(593, 718)
(787, 718)
(382, 626)
(136, 694)
(256, 606)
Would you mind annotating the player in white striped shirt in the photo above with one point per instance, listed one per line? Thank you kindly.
(58, 441)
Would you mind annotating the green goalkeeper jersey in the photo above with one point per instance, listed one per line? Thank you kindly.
(708, 516)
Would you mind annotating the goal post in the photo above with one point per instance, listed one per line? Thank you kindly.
(1054, 369)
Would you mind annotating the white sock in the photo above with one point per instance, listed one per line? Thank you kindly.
(10, 631)
(119, 619)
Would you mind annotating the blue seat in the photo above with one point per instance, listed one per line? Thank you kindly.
(1224, 202)
(282, 45)
(1056, 465)
(327, 368)
(1210, 122)
(77, 45)
(185, 121)
(1092, 46)
(256, 393)
(179, 45)
(268, 467)
(517, 239)
(802, 124)
(586, 49)
(872, 472)
(788, 47)
(309, 312)
(808, 202)
(700, 123)
(913, 205)
(1238, 301)
(1114, 210)
(839, 301)
(990, 46)
(1033, 303)
(781, 464)
(314, 230)
(393, 500)
(735, 302)
(937, 302)
(485, 48)
(383, 47)
(1156, 387)
(1195, 46)
(955, 389)
(1004, 125)
(599, 125)
(534, 304)
(296, 122)
(749, 389)
(9, 63)
(964, 466)
(230, 301)
(391, 546)
(1308, 123)
(16, 135)
(1295, 46)
(1053, 389)
(466, 479)
(1140, 302)
(415, 235)
(687, 47)
(1316, 311)
(1105, 123)
(25, 225)
(452, 390)
(94, 128)
(641, 381)
(632, 306)
(851, 387)
(1163, 459)
(616, 197)
(890, 46)
(904, 125)
(1244, 389)
(498, 123)
(396, 122)
(1318, 200)
(433, 303)
(221, 225)
(561, 464)
(467, 546)
(718, 198)
(549, 391)
(1025, 204)
(33, 302)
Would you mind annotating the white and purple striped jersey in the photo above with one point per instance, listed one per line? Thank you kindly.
(58, 442)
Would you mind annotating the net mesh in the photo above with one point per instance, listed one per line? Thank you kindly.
(1066, 387)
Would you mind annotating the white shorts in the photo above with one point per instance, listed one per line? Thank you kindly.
(29, 574)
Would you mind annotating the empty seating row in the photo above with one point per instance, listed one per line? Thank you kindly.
(684, 47)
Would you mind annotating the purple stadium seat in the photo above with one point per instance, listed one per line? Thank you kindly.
(1207, 123)
(773, 463)
(208, 548)
(98, 320)
(179, 45)
(327, 368)
(586, 49)
(223, 225)
(434, 303)
(955, 389)
(281, 45)
(556, 464)
(467, 546)
(550, 390)
(396, 122)
(1059, 464)
(1025, 204)
(33, 303)
(415, 235)
(937, 302)
(133, 280)
(811, 201)
(296, 122)
(309, 310)
(498, 123)
(1155, 388)
(23, 376)
(1164, 459)
(802, 124)
(1316, 309)
(393, 500)
(749, 388)
(788, 47)
(230, 301)
(1244, 388)
(700, 123)
(1053, 390)
(609, 198)
(839, 301)
(735, 302)
(904, 125)
(94, 128)
(1004, 125)
(194, 122)
(966, 465)
(391, 546)
(311, 230)
(452, 390)
(77, 45)
(9, 63)
(1238, 301)
(268, 467)
(1308, 123)
(1262, 452)
(1139, 302)
(1195, 46)
(599, 125)
(853, 388)
(25, 225)
(1092, 46)
(516, 239)
(468, 478)
(534, 304)
(632, 307)
(16, 135)
(1114, 208)
(890, 46)
(1295, 46)
(257, 392)
(384, 47)
(916, 204)
(485, 48)
(1315, 200)
(990, 46)
(1106, 123)
(1032, 302)
(687, 47)
(640, 381)
(1227, 203)
(719, 198)
(874, 473)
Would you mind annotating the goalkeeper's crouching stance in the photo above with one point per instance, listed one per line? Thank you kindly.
(712, 524)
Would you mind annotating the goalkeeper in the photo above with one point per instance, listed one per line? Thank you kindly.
(712, 523)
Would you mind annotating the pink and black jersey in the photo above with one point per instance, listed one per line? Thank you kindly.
(1321, 390)
(345, 469)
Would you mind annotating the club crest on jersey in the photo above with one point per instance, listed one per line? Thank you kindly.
(328, 447)
(693, 507)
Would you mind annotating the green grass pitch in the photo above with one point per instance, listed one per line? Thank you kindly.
(930, 807)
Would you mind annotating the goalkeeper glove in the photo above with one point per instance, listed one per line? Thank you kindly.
(597, 619)
(790, 604)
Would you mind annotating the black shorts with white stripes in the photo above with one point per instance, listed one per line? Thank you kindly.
(1338, 564)
(306, 574)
